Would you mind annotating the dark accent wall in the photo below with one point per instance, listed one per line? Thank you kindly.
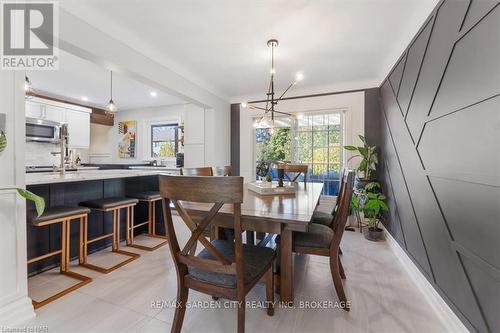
(235, 139)
(440, 156)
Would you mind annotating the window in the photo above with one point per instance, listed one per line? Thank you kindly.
(315, 139)
(319, 144)
(164, 140)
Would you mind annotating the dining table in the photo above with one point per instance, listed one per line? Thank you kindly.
(275, 214)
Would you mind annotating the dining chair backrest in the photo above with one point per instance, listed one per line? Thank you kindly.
(218, 191)
(202, 171)
(298, 169)
(221, 170)
(341, 189)
(342, 213)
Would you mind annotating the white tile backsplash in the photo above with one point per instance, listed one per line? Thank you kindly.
(39, 153)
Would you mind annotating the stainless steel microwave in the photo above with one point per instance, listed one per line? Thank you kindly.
(42, 130)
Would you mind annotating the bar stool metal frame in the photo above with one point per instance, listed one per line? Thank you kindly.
(151, 226)
(65, 256)
(115, 234)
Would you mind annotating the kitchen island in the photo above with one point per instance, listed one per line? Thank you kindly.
(74, 187)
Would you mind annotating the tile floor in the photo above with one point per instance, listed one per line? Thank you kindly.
(133, 298)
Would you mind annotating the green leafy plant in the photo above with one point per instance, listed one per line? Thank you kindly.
(374, 205)
(369, 157)
(371, 202)
(39, 201)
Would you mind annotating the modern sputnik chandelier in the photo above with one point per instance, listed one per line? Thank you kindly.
(271, 100)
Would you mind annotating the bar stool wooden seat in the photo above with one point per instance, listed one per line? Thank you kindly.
(149, 197)
(105, 205)
(64, 216)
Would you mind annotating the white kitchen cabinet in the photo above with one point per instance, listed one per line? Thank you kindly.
(33, 110)
(54, 113)
(78, 128)
(45, 111)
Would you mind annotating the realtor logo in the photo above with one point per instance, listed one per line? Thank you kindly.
(29, 35)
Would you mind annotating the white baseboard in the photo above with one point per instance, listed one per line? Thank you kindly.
(17, 312)
(447, 316)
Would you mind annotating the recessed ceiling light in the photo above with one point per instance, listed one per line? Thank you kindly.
(153, 94)
(85, 99)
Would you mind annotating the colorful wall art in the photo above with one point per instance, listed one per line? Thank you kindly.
(127, 132)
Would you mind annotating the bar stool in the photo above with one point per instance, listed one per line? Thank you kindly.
(113, 205)
(150, 197)
(64, 216)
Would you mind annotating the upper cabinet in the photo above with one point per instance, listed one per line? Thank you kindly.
(45, 111)
(77, 118)
(78, 129)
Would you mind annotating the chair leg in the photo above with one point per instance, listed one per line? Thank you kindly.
(337, 281)
(341, 270)
(270, 291)
(180, 309)
(241, 316)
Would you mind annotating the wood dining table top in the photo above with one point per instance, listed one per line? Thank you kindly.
(295, 210)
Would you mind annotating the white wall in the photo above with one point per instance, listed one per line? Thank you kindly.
(15, 306)
(354, 117)
(104, 139)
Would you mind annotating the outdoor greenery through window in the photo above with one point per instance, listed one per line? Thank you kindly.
(314, 139)
(164, 140)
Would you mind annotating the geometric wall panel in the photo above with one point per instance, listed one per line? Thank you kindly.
(474, 68)
(472, 212)
(409, 225)
(412, 67)
(440, 156)
(446, 267)
(486, 285)
(445, 29)
(477, 9)
(465, 143)
(397, 73)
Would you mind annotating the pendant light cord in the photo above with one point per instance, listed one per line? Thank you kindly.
(111, 85)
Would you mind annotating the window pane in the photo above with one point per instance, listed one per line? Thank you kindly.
(335, 154)
(334, 137)
(320, 139)
(163, 133)
(304, 147)
(320, 155)
(334, 119)
(320, 122)
(164, 149)
(163, 140)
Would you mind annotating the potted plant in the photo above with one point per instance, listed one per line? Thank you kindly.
(369, 160)
(371, 202)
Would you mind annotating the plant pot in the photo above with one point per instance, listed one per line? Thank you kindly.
(374, 234)
(361, 183)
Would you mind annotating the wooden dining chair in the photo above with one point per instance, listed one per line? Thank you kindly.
(202, 171)
(297, 169)
(324, 241)
(221, 170)
(224, 268)
(325, 218)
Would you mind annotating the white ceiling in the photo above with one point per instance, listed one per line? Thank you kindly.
(221, 44)
(77, 78)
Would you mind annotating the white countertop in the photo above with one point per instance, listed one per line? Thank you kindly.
(158, 167)
(86, 175)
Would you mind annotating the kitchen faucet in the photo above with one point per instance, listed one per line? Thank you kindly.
(63, 144)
